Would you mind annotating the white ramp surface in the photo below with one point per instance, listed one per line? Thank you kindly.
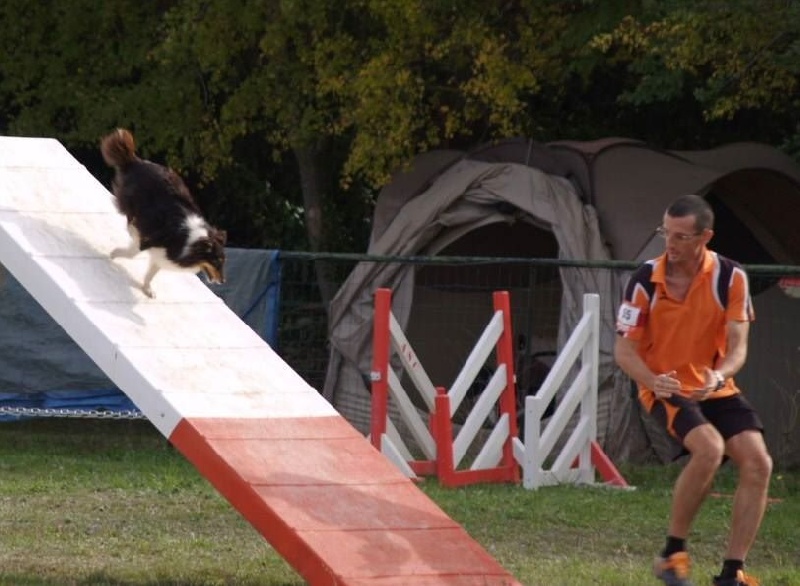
(59, 226)
(318, 492)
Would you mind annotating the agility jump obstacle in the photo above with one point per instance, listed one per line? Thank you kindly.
(503, 453)
(336, 509)
(444, 451)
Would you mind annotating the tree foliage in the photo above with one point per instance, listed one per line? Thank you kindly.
(734, 58)
(66, 68)
(75, 70)
(438, 74)
(288, 115)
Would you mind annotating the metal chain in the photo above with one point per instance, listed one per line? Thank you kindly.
(71, 413)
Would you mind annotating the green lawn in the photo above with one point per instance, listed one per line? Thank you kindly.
(90, 502)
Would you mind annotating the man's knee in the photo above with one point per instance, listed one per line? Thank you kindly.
(749, 452)
(706, 445)
(757, 464)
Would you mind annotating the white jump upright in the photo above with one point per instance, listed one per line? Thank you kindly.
(333, 506)
(581, 351)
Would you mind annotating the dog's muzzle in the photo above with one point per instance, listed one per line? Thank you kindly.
(213, 274)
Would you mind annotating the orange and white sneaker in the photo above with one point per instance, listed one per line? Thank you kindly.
(674, 570)
(741, 579)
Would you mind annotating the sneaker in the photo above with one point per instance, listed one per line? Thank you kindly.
(674, 570)
(741, 579)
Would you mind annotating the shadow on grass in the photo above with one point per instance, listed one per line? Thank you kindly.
(80, 435)
(101, 579)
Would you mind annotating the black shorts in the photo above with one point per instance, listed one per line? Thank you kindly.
(729, 415)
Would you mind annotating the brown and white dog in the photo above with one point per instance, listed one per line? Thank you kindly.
(163, 218)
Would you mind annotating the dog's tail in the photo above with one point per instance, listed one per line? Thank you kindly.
(118, 148)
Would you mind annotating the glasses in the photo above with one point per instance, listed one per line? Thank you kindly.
(680, 237)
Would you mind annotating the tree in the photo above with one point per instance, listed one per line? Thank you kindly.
(75, 70)
(739, 61)
(380, 80)
(66, 68)
(287, 115)
(442, 74)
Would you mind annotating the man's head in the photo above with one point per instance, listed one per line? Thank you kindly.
(687, 227)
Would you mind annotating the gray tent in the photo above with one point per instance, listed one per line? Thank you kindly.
(468, 198)
(595, 200)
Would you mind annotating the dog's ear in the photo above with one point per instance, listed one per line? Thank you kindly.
(221, 236)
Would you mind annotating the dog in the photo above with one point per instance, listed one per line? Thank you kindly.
(163, 218)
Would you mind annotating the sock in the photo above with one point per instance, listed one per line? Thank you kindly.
(674, 545)
(730, 567)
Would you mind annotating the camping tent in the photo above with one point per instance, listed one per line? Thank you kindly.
(469, 199)
(598, 200)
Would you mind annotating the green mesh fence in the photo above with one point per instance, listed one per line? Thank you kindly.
(453, 302)
(455, 296)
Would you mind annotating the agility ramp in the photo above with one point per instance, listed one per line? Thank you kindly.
(327, 501)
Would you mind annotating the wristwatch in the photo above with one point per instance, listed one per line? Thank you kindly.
(720, 381)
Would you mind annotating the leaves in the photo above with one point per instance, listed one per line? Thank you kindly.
(734, 56)
(235, 93)
(66, 65)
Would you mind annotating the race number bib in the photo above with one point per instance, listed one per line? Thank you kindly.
(628, 317)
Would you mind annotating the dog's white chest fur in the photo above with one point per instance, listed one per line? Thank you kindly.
(197, 228)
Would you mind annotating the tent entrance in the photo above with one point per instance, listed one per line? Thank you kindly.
(453, 303)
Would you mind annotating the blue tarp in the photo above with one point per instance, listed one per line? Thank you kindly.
(41, 367)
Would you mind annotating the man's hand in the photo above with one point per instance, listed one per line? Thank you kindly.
(665, 385)
(713, 381)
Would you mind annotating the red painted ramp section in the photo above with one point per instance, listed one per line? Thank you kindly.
(335, 508)
(324, 498)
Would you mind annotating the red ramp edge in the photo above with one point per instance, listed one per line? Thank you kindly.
(332, 505)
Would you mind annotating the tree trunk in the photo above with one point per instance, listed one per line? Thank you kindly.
(313, 183)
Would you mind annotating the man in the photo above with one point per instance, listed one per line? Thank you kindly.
(682, 336)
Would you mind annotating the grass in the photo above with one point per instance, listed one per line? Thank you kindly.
(87, 502)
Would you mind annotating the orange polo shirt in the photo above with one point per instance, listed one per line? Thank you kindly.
(687, 335)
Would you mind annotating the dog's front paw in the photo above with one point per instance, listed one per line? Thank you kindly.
(117, 252)
(147, 290)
